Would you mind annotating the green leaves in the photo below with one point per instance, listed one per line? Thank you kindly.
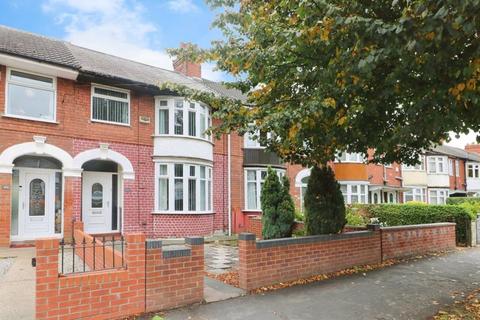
(392, 67)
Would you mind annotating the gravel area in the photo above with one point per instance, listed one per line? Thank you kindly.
(5, 264)
(68, 262)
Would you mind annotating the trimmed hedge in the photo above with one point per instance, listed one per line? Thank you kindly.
(407, 214)
(460, 200)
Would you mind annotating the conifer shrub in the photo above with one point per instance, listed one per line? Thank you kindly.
(324, 204)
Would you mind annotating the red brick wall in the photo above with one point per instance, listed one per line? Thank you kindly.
(458, 183)
(180, 225)
(174, 282)
(254, 225)
(404, 241)
(5, 210)
(268, 262)
(285, 262)
(118, 293)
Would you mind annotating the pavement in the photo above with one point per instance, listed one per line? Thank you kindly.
(17, 284)
(220, 258)
(411, 290)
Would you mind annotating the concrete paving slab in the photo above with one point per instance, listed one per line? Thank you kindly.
(17, 286)
(413, 290)
(216, 290)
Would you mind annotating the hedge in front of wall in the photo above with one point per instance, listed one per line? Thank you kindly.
(460, 200)
(406, 214)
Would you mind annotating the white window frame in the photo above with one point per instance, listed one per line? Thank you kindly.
(199, 110)
(350, 157)
(437, 160)
(54, 90)
(457, 168)
(417, 194)
(362, 191)
(101, 86)
(259, 181)
(250, 143)
(417, 167)
(445, 193)
(450, 166)
(475, 167)
(186, 177)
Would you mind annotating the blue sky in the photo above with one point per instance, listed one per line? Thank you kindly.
(133, 29)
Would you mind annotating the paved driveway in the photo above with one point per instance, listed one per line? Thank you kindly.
(414, 290)
(17, 284)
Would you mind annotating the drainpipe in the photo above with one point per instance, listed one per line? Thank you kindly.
(229, 183)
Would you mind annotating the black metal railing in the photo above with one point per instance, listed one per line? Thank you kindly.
(91, 254)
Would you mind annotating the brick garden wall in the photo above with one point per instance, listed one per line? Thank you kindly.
(402, 241)
(151, 280)
(267, 262)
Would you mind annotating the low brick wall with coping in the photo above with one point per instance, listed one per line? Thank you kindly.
(151, 280)
(404, 241)
(266, 262)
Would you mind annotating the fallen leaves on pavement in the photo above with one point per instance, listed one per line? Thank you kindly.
(230, 278)
(468, 309)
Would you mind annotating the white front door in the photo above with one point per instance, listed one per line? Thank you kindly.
(37, 204)
(97, 202)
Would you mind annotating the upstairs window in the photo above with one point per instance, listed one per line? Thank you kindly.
(457, 168)
(30, 96)
(473, 171)
(180, 117)
(110, 105)
(418, 167)
(437, 165)
(351, 157)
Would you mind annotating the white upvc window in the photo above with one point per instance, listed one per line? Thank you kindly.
(30, 96)
(473, 171)
(183, 188)
(437, 196)
(110, 105)
(415, 194)
(354, 193)
(254, 179)
(457, 168)
(450, 167)
(437, 165)
(354, 157)
(418, 167)
(179, 117)
(251, 140)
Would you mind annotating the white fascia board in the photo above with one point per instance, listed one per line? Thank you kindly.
(38, 67)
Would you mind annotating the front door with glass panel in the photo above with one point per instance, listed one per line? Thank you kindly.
(97, 202)
(37, 204)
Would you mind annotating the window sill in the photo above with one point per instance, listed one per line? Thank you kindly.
(178, 136)
(111, 123)
(181, 213)
(29, 118)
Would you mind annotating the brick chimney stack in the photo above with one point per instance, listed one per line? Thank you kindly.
(475, 148)
(188, 68)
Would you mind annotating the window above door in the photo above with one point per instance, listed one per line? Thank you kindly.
(110, 105)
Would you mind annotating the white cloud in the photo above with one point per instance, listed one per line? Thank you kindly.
(116, 27)
(209, 72)
(182, 6)
(462, 140)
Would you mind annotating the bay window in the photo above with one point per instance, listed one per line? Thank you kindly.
(354, 193)
(350, 157)
(191, 185)
(254, 179)
(437, 165)
(30, 96)
(437, 196)
(417, 167)
(110, 105)
(415, 194)
(182, 118)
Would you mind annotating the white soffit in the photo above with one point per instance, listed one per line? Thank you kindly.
(38, 67)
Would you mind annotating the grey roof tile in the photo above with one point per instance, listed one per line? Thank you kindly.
(40, 48)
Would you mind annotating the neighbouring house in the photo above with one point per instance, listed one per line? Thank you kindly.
(87, 136)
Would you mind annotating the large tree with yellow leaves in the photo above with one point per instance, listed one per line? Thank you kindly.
(345, 75)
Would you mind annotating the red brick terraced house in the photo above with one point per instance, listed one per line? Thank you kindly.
(87, 136)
